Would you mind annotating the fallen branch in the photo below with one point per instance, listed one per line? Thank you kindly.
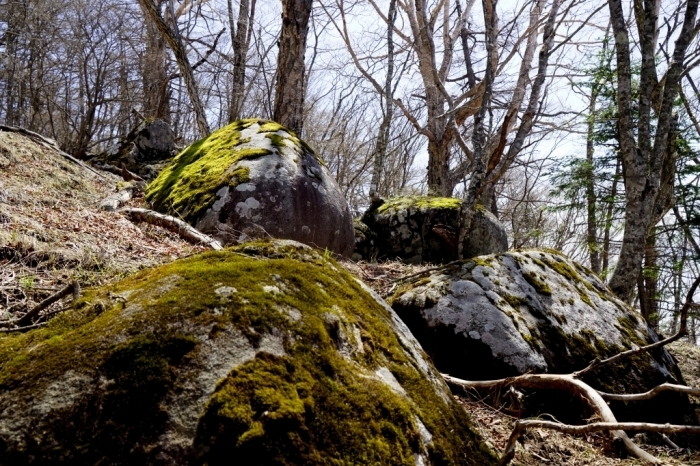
(423, 272)
(183, 229)
(34, 312)
(522, 425)
(564, 382)
(22, 329)
(116, 200)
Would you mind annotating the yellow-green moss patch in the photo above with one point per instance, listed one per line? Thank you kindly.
(420, 202)
(189, 184)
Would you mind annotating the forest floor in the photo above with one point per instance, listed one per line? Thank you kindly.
(52, 233)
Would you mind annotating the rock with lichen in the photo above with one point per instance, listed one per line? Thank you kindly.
(536, 311)
(267, 353)
(255, 179)
(365, 240)
(420, 229)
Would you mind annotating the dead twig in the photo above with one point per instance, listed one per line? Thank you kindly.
(597, 363)
(423, 272)
(665, 387)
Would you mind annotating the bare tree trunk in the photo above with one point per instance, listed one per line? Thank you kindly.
(15, 22)
(385, 126)
(643, 162)
(591, 218)
(290, 86)
(464, 37)
(479, 134)
(240, 38)
(172, 35)
(155, 77)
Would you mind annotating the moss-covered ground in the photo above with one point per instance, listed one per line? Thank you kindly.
(309, 406)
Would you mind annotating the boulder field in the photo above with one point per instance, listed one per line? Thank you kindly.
(255, 179)
(267, 353)
(506, 314)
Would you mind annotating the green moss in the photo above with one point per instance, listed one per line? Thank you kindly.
(514, 301)
(189, 184)
(483, 261)
(584, 297)
(309, 406)
(420, 202)
(273, 127)
(628, 326)
(538, 284)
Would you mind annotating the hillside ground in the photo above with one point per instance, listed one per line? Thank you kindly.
(52, 233)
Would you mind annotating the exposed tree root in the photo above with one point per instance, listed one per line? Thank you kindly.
(522, 425)
(563, 382)
(665, 387)
(186, 231)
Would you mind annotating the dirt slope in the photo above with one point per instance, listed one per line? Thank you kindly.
(52, 231)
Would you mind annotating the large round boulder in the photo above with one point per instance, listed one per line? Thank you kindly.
(268, 353)
(536, 311)
(255, 179)
(420, 229)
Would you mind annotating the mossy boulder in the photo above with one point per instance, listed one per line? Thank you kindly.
(255, 179)
(533, 310)
(420, 229)
(268, 353)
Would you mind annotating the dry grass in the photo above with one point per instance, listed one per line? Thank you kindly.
(52, 231)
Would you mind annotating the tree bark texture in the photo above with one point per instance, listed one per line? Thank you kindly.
(642, 161)
(385, 126)
(479, 135)
(241, 31)
(155, 75)
(290, 87)
(591, 218)
(172, 36)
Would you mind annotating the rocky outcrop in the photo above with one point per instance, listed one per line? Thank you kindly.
(253, 179)
(507, 314)
(268, 353)
(426, 229)
(142, 150)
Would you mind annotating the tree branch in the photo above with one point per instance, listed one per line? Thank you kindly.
(173, 224)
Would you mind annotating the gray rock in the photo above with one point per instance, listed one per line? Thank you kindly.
(154, 142)
(256, 179)
(268, 353)
(147, 145)
(507, 314)
(426, 229)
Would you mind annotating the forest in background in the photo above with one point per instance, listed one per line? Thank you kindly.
(526, 107)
